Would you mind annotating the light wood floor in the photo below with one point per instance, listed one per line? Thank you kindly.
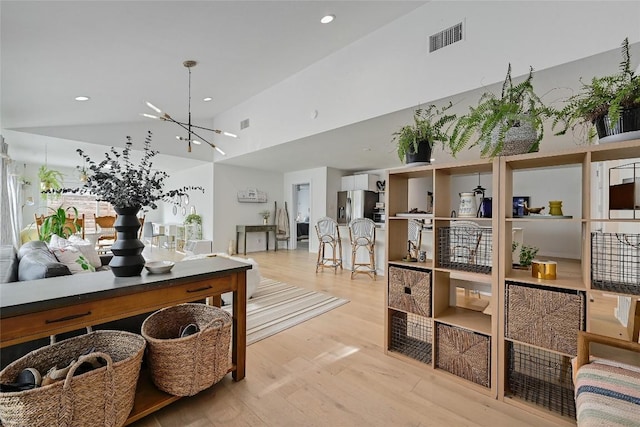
(332, 371)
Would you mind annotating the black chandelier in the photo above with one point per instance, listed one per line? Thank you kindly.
(187, 126)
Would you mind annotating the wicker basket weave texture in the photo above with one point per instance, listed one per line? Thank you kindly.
(186, 366)
(464, 353)
(102, 397)
(410, 290)
(546, 318)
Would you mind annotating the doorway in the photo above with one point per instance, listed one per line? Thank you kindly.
(302, 211)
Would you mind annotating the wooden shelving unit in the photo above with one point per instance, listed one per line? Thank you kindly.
(510, 358)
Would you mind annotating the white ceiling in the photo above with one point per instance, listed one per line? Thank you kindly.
(123, 53)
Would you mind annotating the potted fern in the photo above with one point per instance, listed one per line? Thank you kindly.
(415, 141)
(193, 227)
(608, 106)
(512, 123)
(50, 179)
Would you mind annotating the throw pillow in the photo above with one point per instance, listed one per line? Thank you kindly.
(87, 249)
(74, 259)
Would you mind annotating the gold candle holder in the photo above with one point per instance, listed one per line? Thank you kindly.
(544, 269)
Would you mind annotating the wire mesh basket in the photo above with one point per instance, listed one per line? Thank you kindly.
(541, 377)
(411, 335)
(465, 248)
(615, 262)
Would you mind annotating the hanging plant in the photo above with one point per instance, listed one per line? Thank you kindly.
(50, 180)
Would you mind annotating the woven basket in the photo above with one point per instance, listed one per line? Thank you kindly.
(464, 353)
(102, 397)
(186, 366)
(410, 290)
(545, 317)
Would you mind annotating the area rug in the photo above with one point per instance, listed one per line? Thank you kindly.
(276, 306)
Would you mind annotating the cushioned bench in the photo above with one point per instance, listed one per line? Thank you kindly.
(607, 392)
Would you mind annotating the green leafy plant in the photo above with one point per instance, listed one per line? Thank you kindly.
(428, 126)
(50, 180)
(119, 181)
(193, 219)
(57, 223)
(607, 95)
(518, 105)
(527, 253)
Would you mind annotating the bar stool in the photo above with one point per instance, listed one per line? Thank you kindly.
(362, 232)
(328, 234)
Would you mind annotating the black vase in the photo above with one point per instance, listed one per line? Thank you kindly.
(127, 258)
(423, 155)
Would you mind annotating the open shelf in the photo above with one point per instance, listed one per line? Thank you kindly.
(472, 320)
(568, 275)
(428, 265)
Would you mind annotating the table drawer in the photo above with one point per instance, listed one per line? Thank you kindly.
(36, 325)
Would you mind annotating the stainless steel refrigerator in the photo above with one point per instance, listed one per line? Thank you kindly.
(356, 204)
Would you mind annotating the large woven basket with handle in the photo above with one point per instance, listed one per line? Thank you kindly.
(188, 365)
(101, 397)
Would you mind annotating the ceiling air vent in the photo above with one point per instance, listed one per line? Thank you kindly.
(445, 37)
(244, 124)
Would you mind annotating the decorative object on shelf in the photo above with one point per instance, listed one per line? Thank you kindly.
(510, 124)
(527, 254)
(252, 195)
(544, 269)
(607, 107)
(468, 206)
(129, 188)
(555, 207)
(415, 141)
(528, 210)
(422, 256)
(409, 257)
(381, 185)
(519, 202)
(484, 203)
(624, 188)
(187, 126)
(265, 214)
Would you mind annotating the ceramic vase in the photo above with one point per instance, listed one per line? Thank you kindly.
(127, 258)
(555, 207)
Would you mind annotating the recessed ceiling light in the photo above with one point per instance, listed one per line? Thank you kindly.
(327, 18)
(82, 98)
(366, 149)
(207, 99)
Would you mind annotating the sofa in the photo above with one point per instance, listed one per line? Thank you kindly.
(35, 260)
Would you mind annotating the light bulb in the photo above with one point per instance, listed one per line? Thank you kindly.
(219, 150)
(153, 107)
(196, 142)
(232, 135)
(150, 116)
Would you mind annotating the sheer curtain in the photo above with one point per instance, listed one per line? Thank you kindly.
(9, 200)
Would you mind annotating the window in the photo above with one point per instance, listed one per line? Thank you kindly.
(85, 204)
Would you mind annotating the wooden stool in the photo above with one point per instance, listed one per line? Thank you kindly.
(362, 233)
(328, 234)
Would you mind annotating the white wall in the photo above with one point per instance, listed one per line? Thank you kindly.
(203, 202)
(228, 212)
(390, 69)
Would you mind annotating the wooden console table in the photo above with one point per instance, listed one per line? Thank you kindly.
(40, 308)
(254, 229)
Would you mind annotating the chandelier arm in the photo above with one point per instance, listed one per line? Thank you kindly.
(183, 126)
(198, 127)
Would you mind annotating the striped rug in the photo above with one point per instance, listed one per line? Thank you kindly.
(276, 306)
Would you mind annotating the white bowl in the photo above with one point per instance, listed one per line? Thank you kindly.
(158, 267)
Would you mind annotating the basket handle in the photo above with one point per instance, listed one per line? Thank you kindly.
(66, 401)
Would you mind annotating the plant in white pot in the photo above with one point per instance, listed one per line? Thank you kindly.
(415, 141)
(608, 106)
(512, 123)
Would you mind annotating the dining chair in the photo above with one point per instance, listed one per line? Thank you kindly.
(107, 232)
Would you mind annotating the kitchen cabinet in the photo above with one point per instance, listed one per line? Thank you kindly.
(363, 181)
